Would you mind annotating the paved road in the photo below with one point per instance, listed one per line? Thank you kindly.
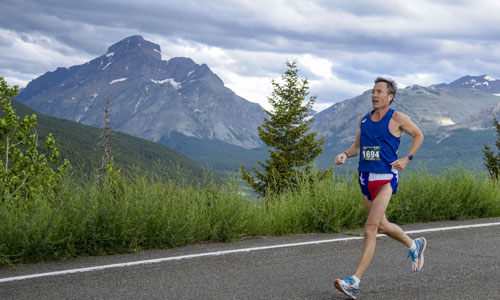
(459, 264)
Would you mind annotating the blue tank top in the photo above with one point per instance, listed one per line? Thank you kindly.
(378, 146)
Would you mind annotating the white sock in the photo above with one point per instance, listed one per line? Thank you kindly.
(356, 280)
(413, 246)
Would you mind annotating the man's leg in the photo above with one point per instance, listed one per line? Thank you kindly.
(376, 218)
(396, 233)
(390, 229)
(376, 215)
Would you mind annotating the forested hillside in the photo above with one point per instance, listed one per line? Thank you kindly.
(83, 146)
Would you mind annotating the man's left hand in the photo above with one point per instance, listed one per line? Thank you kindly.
(400, 164)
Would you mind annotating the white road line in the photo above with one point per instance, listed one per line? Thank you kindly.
(165, 259)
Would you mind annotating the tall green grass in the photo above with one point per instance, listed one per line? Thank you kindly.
(455, 194)
(127, 214)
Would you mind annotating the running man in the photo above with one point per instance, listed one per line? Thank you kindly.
(377, 143)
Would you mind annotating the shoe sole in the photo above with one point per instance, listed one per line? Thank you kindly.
(420, 261)
(339, 287)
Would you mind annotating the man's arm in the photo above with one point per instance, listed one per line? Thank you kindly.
(353, 150)
(406, 125)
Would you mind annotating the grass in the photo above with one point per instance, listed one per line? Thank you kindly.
(131, 213)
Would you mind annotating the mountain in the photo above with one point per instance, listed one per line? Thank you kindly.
(483, 83)
(150, 97)
(431, 108)
(185, 106)
(81, 144)
(482, 120)
(456, 123)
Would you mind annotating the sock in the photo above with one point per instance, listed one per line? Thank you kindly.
(356, 280)
(413, 246)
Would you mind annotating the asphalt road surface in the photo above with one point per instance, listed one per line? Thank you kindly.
(460, 263)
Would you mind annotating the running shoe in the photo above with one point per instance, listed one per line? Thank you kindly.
(347, 286)
(417, 256)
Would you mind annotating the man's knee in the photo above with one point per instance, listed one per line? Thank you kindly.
(371, 229)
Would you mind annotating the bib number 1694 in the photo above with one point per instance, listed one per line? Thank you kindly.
(371, 153)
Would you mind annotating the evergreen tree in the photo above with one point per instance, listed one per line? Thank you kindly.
(292, 146)
(492, 161)
(24, 172)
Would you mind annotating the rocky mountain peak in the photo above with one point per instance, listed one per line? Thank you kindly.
(133, 43)
(150, 96)
(483, 83)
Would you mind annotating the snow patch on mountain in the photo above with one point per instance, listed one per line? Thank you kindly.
(446, 121)
(137, 105)
(91, 101)
(109, 63)
(175, 84)
(474, 83)
(118, 80)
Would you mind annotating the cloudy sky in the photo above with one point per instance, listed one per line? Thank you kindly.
(340, 46)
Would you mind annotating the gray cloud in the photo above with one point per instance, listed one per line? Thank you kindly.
(426, 42)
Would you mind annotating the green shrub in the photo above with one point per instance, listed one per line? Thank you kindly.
(135, 212)
(24, 172)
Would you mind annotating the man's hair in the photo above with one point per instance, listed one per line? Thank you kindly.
(392, 87)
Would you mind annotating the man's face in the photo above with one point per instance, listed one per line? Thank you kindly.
(380, 97)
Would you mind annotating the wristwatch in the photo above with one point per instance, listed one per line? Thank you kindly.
(410, 157)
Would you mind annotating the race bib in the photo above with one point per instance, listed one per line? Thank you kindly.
(371, 153)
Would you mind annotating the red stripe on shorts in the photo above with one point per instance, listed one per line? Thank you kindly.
(374, 187)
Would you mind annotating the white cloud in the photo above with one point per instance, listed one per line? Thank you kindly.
(31, 55)
(423, 79)
(15, 80)
(321, 67)
(255, 89)
(40, 48)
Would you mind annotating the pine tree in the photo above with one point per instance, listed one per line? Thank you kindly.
(292, 146)
(492, 161)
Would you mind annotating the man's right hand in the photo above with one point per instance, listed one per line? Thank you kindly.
(341, 158)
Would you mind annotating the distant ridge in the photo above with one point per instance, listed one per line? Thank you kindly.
(433, 109)
(81, 144)
(456, 122)
(483, 83)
